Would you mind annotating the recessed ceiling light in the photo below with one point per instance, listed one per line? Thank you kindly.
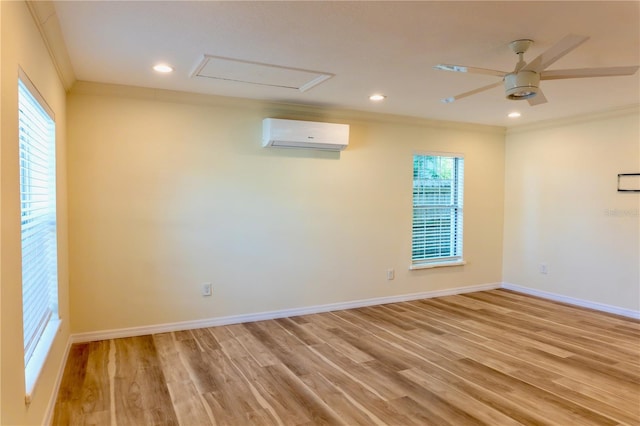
(377, 97)
(514, 114)
(164, 68)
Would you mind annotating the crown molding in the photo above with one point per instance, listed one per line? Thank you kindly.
(46, 20)
(633, 109)
(271, 108)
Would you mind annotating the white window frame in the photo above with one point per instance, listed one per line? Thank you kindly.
(424, 239)
(38, 228)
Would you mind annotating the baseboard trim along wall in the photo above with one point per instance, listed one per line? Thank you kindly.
(573, 301)
(261, 316)
(51, 405)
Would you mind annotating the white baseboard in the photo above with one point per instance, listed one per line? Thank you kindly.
(48, 417)
(573, 301)
(261, 316)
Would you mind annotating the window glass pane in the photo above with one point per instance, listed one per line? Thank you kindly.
(36, 137)
(437, 208)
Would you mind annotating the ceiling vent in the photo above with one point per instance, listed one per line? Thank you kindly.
(228, 69)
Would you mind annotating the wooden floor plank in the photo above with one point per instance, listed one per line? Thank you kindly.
(95, 389)
(187, 401)
(485, 414)
(68, 408)
(142, 396)
(495, 357)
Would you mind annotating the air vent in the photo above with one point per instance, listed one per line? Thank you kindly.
(280, 133)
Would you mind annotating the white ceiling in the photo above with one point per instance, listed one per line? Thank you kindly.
(387, 47)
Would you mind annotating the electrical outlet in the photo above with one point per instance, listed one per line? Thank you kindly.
(391, 274)
(207, 289)
(544, 269)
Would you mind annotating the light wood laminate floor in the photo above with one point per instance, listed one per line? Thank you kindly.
(493, 357)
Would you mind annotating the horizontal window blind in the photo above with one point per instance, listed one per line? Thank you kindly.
(38, 218)
(437, 209)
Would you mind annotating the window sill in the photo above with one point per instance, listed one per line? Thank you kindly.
(436, 265)
(35, 364)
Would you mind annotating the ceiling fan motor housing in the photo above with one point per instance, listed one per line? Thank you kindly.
(521, 85)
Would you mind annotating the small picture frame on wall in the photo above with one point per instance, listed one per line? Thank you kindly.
(629, 182)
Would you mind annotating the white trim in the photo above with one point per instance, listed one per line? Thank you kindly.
(35, 365)
(614, 112)
(269, 108)
(49, 412)
(436, 265)
(261, 316)
(439, 154)
(33, 91)
(45, 18)
(573, 301)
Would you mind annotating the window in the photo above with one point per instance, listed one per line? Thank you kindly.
(36, 136)
(438, 182)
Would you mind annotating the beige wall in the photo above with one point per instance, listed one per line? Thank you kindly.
(167, 191)
(562, 208)
(23, 47)
(165, 195)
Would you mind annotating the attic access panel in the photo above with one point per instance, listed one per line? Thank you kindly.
(229, 69)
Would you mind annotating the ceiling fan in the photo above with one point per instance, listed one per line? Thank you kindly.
(524, 81)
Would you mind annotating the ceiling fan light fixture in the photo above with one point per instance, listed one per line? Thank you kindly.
(521, 85)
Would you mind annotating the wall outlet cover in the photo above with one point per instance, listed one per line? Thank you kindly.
(206, 289)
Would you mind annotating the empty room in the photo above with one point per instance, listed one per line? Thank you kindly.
(319, 212)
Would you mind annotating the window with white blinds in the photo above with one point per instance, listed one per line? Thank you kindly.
(438, 182)
(36, 136)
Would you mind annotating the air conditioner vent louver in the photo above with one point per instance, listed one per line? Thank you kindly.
(281, 133)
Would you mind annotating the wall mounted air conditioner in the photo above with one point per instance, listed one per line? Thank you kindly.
(304, 134)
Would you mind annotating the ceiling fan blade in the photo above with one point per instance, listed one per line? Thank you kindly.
(556, 52)
(588, 72)
(538, 99)
(471, 92)
(471, 70)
